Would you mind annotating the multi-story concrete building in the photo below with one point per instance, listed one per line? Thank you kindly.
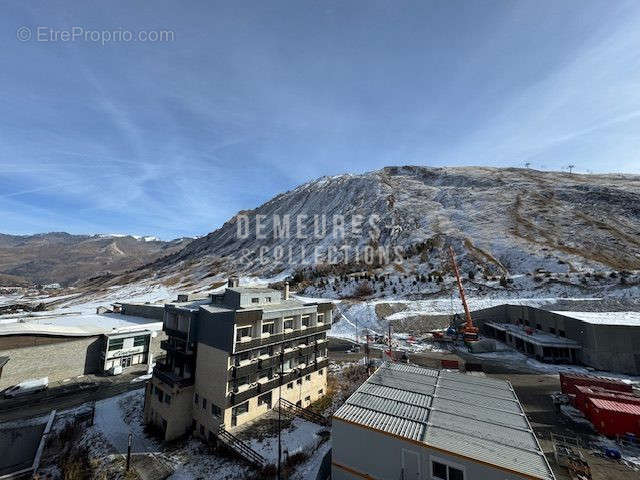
(229, 354)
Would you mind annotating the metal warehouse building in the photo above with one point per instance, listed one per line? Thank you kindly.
(413, 423)
(602, 340)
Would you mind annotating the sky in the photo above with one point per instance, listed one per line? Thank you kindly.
(205, 108)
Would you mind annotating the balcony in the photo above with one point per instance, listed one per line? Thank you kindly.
(279, 337)
(259, 388)
(166, 345)
(172, 332)
(162, 373)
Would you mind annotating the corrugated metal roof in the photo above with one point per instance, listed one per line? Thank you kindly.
(418, 399)
(613, 406)
(476, 417)
(381, 421)
(529, 462)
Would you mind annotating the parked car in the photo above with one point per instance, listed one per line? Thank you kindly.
(27, 387)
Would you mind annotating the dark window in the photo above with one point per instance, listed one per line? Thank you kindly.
(289, 386)
(196, 399)
(160, 395)
(320, 372)
(288, 323)
(305, 321)
(201, 429)
(140, 341)
(215, 410)
(307, 399)
(240, 409)
(116, 344)
(538, 326)
(552, 330)
(204, 403)
(439, 470)
(244, 332)
(320, 317)
(561, 333)
(267, 328)
(265, 399)
(265, 351)
(255, 300)
(299, 381)
(241, 357)
(308, 378)
(320, 392)
(455, 474)
(167, 399)
(268, 299)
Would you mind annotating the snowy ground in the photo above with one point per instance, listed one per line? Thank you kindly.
(117, 417)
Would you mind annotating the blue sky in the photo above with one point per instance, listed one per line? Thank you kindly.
(250, 99)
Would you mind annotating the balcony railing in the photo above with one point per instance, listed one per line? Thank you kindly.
(172, 332)
(165, 375)
(167, 346)
(258, 389)
(280, 337)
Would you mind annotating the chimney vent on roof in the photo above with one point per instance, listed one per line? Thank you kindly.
(234, 282)
(286, 290)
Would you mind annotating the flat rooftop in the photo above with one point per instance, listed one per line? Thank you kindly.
(538, 337)
(629, 319)
(474, 417)
(77, 324)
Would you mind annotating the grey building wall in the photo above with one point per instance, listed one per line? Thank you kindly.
(216, 329)
(382, 456)
(155, 312)
(612, 348)
(57, 361)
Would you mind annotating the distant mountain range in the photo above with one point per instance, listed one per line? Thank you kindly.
(499, 221)
(63, 258)
(502, 222)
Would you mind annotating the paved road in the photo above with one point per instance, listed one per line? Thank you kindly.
(65, 397)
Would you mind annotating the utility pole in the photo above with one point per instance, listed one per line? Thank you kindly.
(129, 452)
(280, 411)
(527, 165)
(571, 167)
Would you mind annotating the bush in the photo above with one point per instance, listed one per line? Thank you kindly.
(363, 290)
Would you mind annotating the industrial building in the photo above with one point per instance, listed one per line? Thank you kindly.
(409, 422)
(63, 346)
(603, 340)
(227, 355)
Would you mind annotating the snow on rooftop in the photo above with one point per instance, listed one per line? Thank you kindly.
(77, 324)
(631, 319)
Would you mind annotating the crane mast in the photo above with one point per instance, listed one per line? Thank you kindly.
(470, 331)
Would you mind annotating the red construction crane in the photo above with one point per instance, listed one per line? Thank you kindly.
(469, 331)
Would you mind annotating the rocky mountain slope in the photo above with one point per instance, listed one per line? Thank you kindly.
(63, 258)
(501, 222)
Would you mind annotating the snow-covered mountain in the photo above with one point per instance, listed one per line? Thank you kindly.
(501, 222)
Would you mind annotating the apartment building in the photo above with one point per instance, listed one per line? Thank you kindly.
(227, 355)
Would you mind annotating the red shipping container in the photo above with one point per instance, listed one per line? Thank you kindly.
(569, 381)
(613, 418)
(584, 392)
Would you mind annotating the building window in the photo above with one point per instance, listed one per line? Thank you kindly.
(167, 399)
(244, 332)
(552, 330)
(215, 410)
(288, 323)
(446, 472)
(290, 386)
(320, 392)
(204, 403)
(196, 399)
(160, 395)
(320, 372)
(140, 341)
(116, 344)
(201, 429)
(240, 409)
(561, 333)
(268, 328)
(305, 321)
(255, 300)
(265, 400)
(265, 374)
(241, 357)
(538, 326)
(299, 381)
(268, 299)
(265, 351)
(307, 399)
(320, 318)
(308, 378)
